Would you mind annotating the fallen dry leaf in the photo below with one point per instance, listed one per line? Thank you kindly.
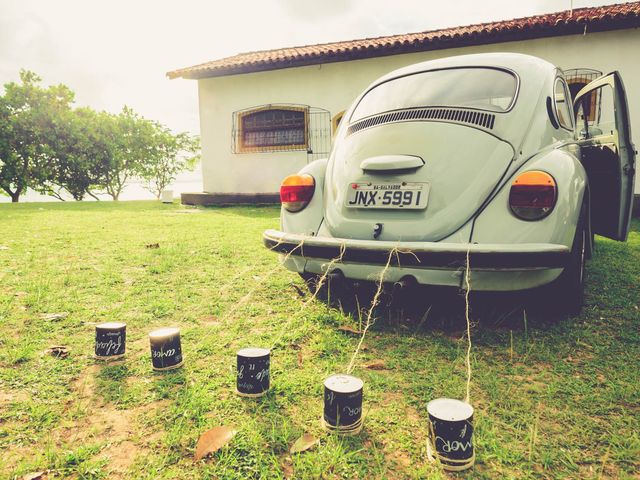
(348, 329)
(59, 351)
(287, 468)
(376, 365)
(20, 294)
(152, 245)
(300, 359)
(52, 317)
(213, 440)
(210, 321)
(305, 442)
(35, 476)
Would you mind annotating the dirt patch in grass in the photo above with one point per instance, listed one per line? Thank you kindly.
(9, 397)
(106, 424)
(210, 321)
(412, 422)
(117, 430)
(109, 426)
(84, 387)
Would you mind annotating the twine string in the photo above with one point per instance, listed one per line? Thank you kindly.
(319, 285)
(259, 283)
(374, 303)
(325, 275)
(467, 274)
(233, 280)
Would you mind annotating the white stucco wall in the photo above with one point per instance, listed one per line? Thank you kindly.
(333, 86)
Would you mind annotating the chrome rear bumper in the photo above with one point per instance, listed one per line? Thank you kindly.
(421, 255)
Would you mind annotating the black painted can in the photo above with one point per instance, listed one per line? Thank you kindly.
(166, 350)
(252, 373)
(110, 340)
(451, 433)
(343, 404)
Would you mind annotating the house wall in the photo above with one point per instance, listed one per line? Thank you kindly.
(333, 86)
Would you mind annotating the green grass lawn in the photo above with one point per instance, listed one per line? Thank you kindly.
(553, 399)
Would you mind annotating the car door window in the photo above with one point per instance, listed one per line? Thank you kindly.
(597, 117)
(563, 104)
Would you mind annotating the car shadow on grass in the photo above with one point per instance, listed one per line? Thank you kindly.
(427, 309)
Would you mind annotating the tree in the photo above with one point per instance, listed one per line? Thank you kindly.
(143, 148)
(81, 151)
(129, 137)
(172, 154)
(27, 111)
(48, 146)
(5, 135)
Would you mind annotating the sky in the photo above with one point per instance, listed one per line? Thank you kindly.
(118, 52)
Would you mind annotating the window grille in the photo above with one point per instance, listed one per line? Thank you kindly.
(282, 128)
(271, 128)
(577, 78)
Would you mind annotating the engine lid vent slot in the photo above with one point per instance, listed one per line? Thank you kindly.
(455, 115)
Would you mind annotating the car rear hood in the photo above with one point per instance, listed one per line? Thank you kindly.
(461, 165)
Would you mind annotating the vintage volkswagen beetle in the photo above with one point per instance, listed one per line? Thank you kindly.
(479, 155)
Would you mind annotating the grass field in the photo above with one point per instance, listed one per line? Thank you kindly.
(553, 399)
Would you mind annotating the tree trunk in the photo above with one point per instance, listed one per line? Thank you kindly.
(92, 195)
(15, 197)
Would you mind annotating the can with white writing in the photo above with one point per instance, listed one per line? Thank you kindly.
(252, 373)
(451, 433)
(166, 349)
(343, 404)
(110, 340)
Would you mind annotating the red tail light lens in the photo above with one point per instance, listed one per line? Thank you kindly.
(533, 195)
(296, 192)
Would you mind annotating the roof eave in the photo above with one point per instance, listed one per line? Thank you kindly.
(484, 37)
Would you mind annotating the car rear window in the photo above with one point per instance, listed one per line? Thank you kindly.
(482, 88)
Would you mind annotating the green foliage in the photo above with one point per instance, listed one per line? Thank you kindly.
(171, 155)
(48, 146)
(28, 112)
(80, 153)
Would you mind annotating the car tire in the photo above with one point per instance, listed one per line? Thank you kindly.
(567, 291)
(311, 281)
(340, 292)
(327, 290)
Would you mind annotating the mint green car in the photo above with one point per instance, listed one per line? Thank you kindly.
(478, 156)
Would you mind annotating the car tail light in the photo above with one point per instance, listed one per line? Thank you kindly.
(296, 192)
(533, 195)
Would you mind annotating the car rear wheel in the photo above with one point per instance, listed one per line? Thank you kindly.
(323, 289)
(567, 292)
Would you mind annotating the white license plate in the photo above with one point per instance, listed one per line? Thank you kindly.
(406, 196)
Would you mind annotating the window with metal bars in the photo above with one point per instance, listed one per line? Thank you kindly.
(272, 128)
(578, 78)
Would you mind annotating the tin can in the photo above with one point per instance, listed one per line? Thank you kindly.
(166, 349)
(343, 404)
(252, 373)
(451, 433)
(110, 340)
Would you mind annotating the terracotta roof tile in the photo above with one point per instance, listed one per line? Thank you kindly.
(609, 17)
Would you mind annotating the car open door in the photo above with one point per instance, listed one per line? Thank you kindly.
(607, 153)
